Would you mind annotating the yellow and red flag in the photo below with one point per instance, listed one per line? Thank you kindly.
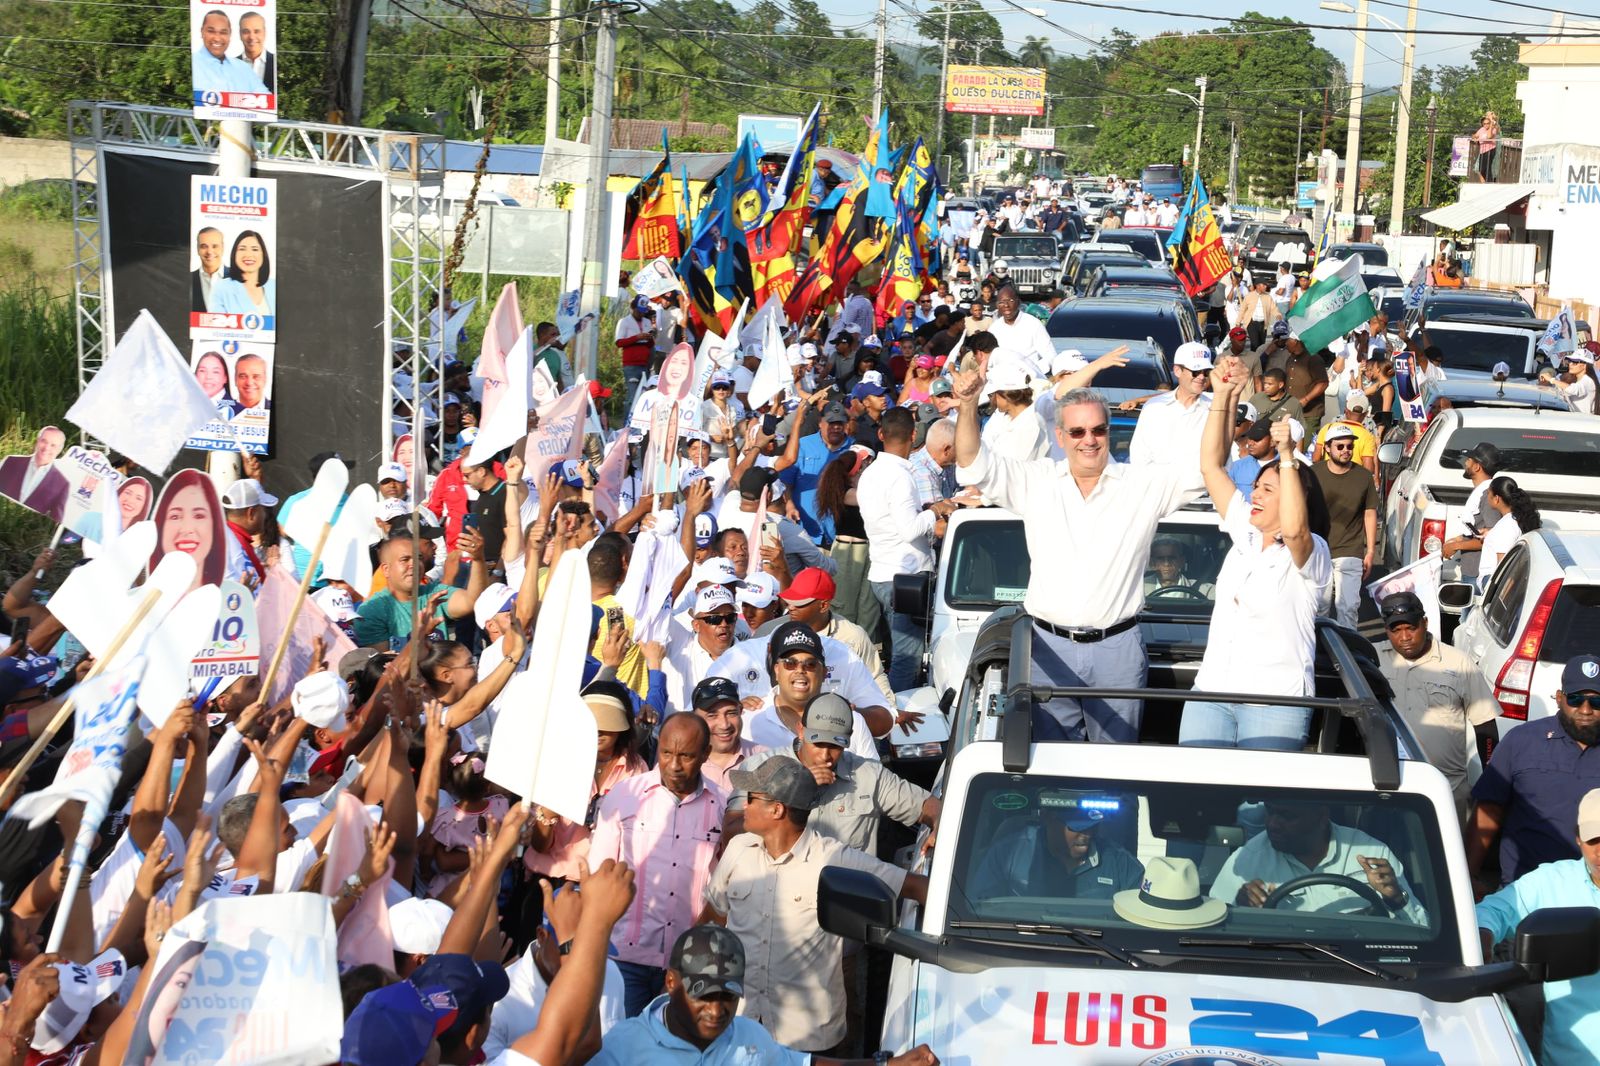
(650, 214)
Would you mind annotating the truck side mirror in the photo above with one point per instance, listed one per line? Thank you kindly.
(1391, 453)
(913, 596)
(854, 904)
(1559, 943)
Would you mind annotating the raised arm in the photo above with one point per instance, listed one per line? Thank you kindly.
(967, 386)
(1216, 439)
(465, 928)
(1294, 526)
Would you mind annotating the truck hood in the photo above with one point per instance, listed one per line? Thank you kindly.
(1020, 1016)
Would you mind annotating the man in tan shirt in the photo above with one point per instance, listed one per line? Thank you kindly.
(1437, 689)
(765, 890)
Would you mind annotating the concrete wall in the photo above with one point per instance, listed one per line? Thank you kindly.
(26, 159)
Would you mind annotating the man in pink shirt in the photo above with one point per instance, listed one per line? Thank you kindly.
(667, 826)
(716, 699)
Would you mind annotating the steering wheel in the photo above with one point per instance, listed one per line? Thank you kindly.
(1376, 906)
(1185, 591)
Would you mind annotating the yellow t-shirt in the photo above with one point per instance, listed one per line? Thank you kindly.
(633, 671)
(1366, 445)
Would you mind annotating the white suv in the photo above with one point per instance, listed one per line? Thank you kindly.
(1541, 608)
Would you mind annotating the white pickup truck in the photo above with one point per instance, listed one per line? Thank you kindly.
(1552, 455)
(1019, 956)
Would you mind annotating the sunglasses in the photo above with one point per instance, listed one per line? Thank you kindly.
(1077, 432)
(719, 619)
(790, 662)
(1578, 700)
(1342, 445)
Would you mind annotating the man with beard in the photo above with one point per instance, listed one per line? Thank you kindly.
(1528, 795)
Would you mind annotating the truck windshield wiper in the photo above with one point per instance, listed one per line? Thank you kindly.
(1293, 945)
(1087, 938)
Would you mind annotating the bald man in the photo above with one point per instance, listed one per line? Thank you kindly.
(33, 480)
(250, 384)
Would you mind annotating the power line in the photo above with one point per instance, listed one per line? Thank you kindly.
(1299, 25)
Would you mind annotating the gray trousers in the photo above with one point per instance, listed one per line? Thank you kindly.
(1117, 662)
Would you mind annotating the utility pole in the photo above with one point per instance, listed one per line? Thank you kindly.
(1233, 161)
(1402, 137)
(877, 59)
(1294, 186)
(944, 77)
(972, 168)
(552, 88)
(596, 200)
(1323, 142)
(1352, 149)
(1199, 128)
(1427, 174)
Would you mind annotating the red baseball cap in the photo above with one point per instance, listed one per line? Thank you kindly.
(599, 391)
(331, 761)
(812, 583)
(1238, 333)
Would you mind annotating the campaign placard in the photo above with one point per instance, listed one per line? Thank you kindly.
(233, 290)
(234, 646)
(237, 377)
(234, 69)
(90, 476)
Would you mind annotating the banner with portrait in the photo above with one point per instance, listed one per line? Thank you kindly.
(189, 519)
(237, 377)
(91, 476)
(233, 285)
(234, 59)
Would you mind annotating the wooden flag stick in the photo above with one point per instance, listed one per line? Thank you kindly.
(20, 773)
(294, 612)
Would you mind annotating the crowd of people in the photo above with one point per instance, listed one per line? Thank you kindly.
(745, 655)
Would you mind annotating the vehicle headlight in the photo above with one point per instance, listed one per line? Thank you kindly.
(931, 750)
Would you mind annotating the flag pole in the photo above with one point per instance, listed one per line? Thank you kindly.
(20, 772)
(294, 612)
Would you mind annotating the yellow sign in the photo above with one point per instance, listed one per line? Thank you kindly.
(995, 90)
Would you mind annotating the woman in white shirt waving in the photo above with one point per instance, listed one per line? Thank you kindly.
(1263, 635)
(1518, 515)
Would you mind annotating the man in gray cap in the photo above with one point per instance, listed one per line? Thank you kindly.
(803, 461)
(765, 889)
(694, 1021)
(1479, 466)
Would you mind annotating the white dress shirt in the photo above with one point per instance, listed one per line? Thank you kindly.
(1027, 336)
(1018, 436)
(745, 664)
(518, 1012)
(899, 534)
(767, 729)
(1168, 432)
(1089, 552)
(686, 664)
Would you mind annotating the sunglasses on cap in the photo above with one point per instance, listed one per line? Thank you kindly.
(1077, 432)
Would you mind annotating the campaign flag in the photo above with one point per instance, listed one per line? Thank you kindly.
(685, 211)
(560, 433)
(650, 213)
(500, 335)
(1336, 303)
(1417, 287)
(246, 978)
(903, 272)
(744, 187)
(880, 183)
(364, 935)
(1198, 255)
(1420, 577)
(508, 422)
(234, 645)
(144, 402)
(1408, 388)
(103, 710)
(273, 603)
(773, 245)
(854, 240)
(608, 480)
(773, 375)
(1560, 337)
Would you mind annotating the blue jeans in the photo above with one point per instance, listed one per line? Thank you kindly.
(906, 639)
(632, 378)
(1243, 725)
(640, 984)
(1119, 661)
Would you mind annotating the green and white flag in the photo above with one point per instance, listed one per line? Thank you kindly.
(1336, 303)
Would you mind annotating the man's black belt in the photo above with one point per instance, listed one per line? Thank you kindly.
(1082, 635)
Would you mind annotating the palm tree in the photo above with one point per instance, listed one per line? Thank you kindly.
(1036, 52)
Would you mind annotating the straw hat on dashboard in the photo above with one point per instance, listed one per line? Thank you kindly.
(1169, 898)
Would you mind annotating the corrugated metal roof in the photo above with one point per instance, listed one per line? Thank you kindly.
(1477, 203)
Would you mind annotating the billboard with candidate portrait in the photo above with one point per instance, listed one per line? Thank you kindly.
(237, 377)
(234, 63)
(233, 283)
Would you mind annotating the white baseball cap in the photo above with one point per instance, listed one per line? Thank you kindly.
(390, 509)
(321, 700)
(391, 472)
(758, 590)
(247, 492)
(1067, 361)
(417, 925)
(1193, 357)
(1005, 375)
(83, 987)
(711, 598)
(335, 603)
(716, 570)
(492, 601)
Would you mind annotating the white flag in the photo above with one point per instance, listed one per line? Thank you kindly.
(509, 421)
(773, 375)
(144, 402)
(103, 711)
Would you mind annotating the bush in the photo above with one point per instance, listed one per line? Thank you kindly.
(46, 200)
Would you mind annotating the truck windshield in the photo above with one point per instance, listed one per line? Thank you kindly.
(1530, 451)
(1008, 247)
(1058, 851)
(989, 565)
(1471, 350)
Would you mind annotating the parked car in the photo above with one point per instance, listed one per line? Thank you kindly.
(1371, 254)
(1082, 259)
(1471, 349)
(1540, 609)
(1033, 261)
(1131, 318)
(1144, 240)
(1439, 305)
(1108, 279)
(1262, 246)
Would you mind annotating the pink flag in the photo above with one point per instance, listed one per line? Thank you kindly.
(364, 937)
(273, 604)
(560, 433)
(754, 535)
(608, 487)
(500, 333)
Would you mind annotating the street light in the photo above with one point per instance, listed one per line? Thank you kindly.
(1200, 121)
(1402, 137)
(1352, 148)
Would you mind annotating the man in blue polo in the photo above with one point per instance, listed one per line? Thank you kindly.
(802, 463)
(1528, 795)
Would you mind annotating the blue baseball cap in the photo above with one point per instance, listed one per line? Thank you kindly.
(477, 986)
(705, 529)
(396, 1024)
(572, 473)
(1581, 674)
(18, 675)
(866, 389)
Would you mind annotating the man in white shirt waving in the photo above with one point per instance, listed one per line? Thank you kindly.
(1171, 423)
(1089, 523)
(900, 536)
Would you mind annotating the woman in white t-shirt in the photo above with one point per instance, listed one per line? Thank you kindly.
(1263, 628)
(1518, 515)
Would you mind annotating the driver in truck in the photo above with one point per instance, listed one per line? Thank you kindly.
(1343, 868)
(1168, 562)
(1056, 854)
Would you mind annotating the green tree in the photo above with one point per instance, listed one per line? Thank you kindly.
(1036, 52)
